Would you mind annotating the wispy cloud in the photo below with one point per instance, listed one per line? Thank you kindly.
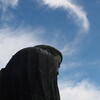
(79, 15)
(69, 49)
(76, 11)
(70, 65)
(6, 14)
(72, 48)
(8, 3)
(13, 40)
(79, 91)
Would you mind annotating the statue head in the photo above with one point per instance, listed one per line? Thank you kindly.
(57, 55)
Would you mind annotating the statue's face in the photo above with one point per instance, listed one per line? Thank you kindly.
(57, 60)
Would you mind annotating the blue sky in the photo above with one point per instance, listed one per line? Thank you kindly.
(72, 26)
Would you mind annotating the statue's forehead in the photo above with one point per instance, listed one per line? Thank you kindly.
(51, 50)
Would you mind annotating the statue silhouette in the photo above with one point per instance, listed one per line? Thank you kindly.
(31, 74)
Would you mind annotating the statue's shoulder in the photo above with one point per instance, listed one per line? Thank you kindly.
(2, 72)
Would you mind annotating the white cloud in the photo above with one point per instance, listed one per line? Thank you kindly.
(6, 3)
(70, 65)
(80, 91)
(13, 40)
(72, 48)
(69, 49)
(76, 11)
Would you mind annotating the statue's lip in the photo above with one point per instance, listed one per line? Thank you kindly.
(53, 50)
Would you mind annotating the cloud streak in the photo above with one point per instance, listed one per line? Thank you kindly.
(8, 3)
(69, 49)
(74, 10)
